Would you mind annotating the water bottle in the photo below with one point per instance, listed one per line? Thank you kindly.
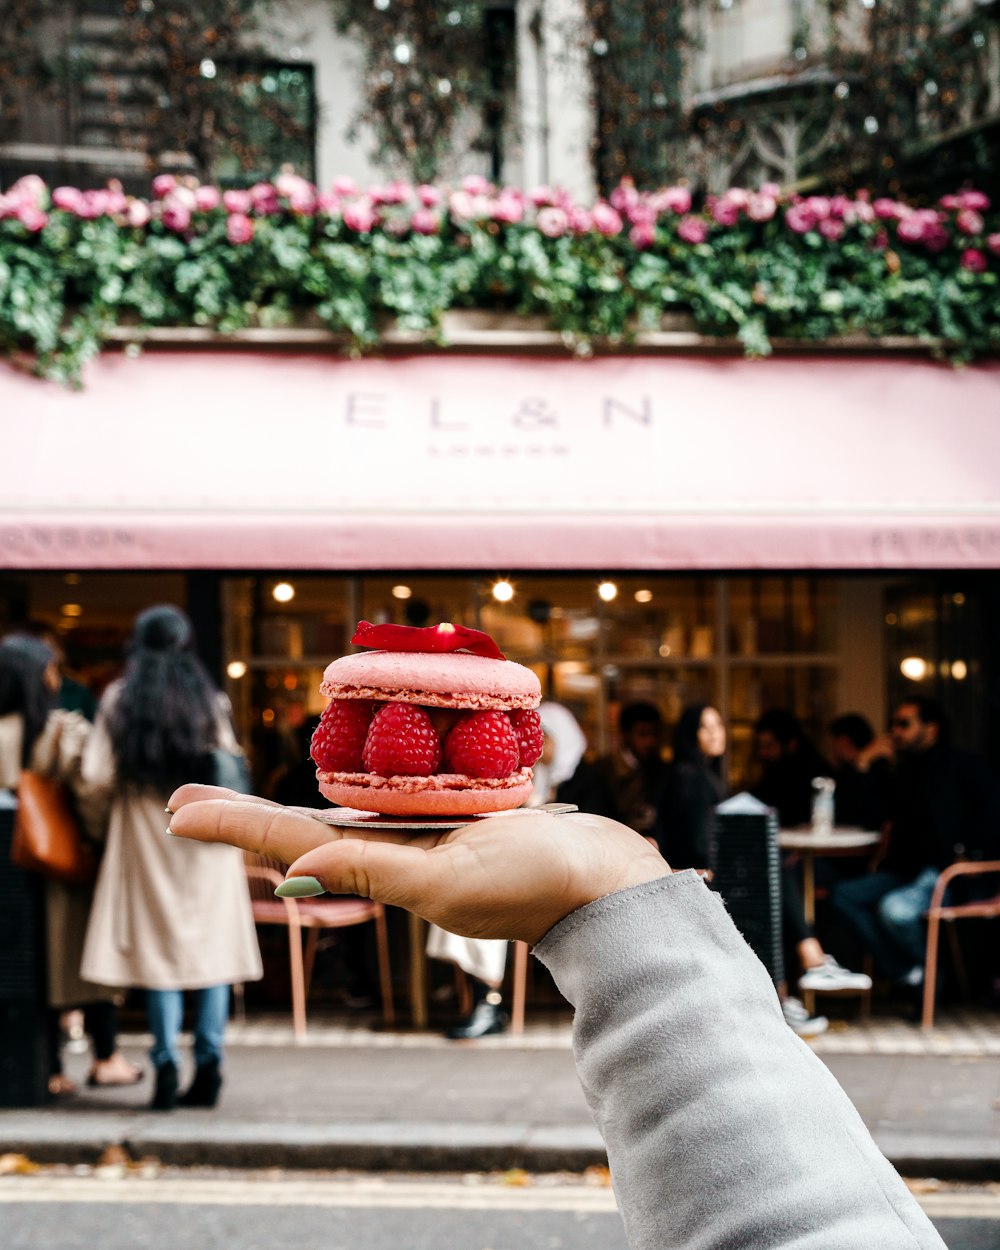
(822, 805)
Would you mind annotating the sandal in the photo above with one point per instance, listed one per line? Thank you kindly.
(60, 1086)
(127, 1074)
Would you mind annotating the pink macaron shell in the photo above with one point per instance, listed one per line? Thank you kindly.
(454, 679)
(426, 796)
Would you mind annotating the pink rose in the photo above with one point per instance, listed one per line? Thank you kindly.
(950, 203)
(31, 216)
(359, 216)
(476, 184)
(642, 234)
(761, 207)
(974, 260)
(303, 200)
(289, 184)
(969, 221)
(672, 200)
(839, 206)
(800, 218)
(391, 193)
(115, 199)
(239, 228)
(993, 243)
(137, 213)
(237, 201)
(724, 212)
(207, 198)
(606, 220)
(428, 196)
(861, 211)
(881, 241)
(692, 229)
(176, 216)
(163, 184)
(265, 199)
(624, 197)
(911, 229)
(508, 208)
(328, 202)
(580, 220)
(552, 222)
(820, 206)
(541, 195)
(425, 221)
(738, 196)
(29, 189)
(977, 201)
(770, 188)
(886, 209)
(462, 205)
(343, 185)
(69, 199)
(832, 229)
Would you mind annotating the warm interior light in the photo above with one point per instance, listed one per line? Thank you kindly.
(284, 592)
(914, 668)
(607, 591)
(236, 669)
(72, 579)
(959, 670)
(664, 650)
(401, 592)
(72, 609)
(502, 591)
(643, 596)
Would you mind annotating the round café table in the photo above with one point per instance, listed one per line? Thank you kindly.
(841, 840)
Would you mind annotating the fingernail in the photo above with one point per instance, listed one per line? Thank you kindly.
(169, 811)
(170, 831)
(299, 887)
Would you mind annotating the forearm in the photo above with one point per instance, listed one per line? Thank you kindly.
(722, 1128)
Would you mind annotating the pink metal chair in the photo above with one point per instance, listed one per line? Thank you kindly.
(312, 915)
(988, 909)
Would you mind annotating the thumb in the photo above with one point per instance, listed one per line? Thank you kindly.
(386, 872)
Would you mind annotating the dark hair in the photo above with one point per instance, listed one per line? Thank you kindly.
(686, 748)
(931, 713)
(855, 727)
(163, 722)
(781, 725)
(23, 661)
(639, 713)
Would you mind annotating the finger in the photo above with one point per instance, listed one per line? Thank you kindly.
(192, 792)
(265, 828)
(397, 873)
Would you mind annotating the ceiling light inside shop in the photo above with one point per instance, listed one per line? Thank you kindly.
(959, 670)
(71, 609)
(607, 591)
(236, 669)
(958, 599)
(502, 591)
(665, 650)
(644, 596)
(913, 667)
(72, 579)
(401, 592)
(284, 592)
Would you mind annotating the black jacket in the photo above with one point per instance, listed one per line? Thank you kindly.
(684, 813)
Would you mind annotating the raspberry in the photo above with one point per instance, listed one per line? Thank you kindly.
(402, 742)
(482, 744)
(530, 738)
(339, 737)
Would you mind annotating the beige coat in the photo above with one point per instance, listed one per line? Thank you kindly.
(168, 913)
(59, 752)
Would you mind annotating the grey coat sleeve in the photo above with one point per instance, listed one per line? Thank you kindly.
(723, 1129)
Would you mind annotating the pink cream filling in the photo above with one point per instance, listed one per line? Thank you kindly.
(417, 785)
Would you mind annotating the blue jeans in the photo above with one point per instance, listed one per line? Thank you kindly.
(165, 1011)
(888, 915)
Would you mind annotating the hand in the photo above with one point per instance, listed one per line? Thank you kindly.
(880, 748)
(511, 876)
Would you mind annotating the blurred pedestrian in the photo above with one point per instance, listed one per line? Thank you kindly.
(860, 772)
(167, 916)
(694, 785)
(36, 734)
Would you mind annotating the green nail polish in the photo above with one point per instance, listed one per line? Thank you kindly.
(299, 887)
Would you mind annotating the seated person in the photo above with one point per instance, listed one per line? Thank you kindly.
(722, 1128)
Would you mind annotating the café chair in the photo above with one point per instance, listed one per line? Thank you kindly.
(311, 915)
(987, 909)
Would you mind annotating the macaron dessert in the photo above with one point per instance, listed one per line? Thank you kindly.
(435, 722)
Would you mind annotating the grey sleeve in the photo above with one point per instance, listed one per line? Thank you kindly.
(724, 1131)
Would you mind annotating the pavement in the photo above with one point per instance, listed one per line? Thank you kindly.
(353, 1096)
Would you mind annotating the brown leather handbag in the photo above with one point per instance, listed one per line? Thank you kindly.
(47, 835)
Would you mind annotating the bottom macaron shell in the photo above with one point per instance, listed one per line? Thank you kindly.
(428, 801)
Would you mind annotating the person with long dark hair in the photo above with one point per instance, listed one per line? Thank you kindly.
(168, 916)
(693, 787)
(36, 734)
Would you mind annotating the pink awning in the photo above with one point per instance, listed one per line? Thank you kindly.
(233, 459)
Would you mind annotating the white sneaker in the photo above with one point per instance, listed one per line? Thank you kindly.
(800, 1021)
(830, 976)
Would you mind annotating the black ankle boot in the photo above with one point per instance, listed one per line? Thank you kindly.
(488, 1016)
(204, 1089)
(165, 1095)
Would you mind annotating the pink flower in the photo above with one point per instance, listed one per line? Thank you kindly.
(977, 201)
(137, 213)
(328, 202)
(839, 206)
(800, 218)
(31, 216)
(770, 188)
(580, 220)
(176, 216)
(288, 184)
(969, 221)
(476, 184)
(886, 209)
(359, 216)
(692, 229)
(163, 184)
(881, 241)
(820, 206)
(642, 234)
(761, 207)
(974, 260)
(624, 197)
(425, 221)
(541, 195)
(912, 229)
(860, 210)
(462, 205)
(552, 222)
(738, 196)
(343, 185)
(950, 203)
(725, 212)
(239, 228)
(672, 200)
(993, 243)
(69, 199)
(428, 196)
(237, 201)
(606, 220)
(508, 207)
(115, 199)
(30, 189)
(391, 193)
(832, 229)
(303, 200)
(265, 199)
(207, 198)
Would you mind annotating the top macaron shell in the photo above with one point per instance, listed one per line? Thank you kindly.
(451, 679)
